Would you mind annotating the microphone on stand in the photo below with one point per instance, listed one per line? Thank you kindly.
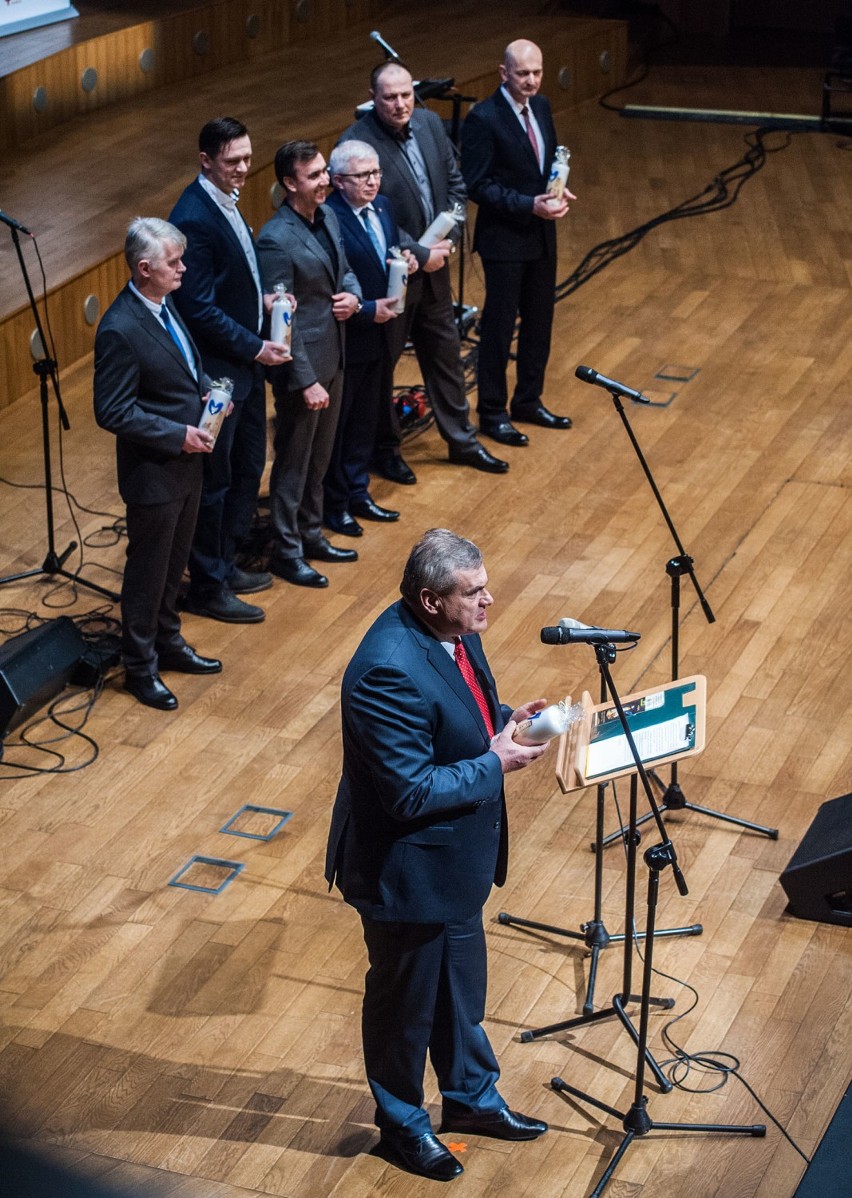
(574, 632)
(14, 224)
(390, 54)
(587, 375)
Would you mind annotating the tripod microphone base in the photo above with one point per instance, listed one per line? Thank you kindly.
(637, 1122)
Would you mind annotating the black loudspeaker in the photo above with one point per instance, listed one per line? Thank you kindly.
(35, 667)
(818, 879)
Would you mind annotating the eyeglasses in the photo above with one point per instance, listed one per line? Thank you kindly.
(364, 176)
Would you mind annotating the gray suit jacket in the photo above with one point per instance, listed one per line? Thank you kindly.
(289, 253)
(398, 182)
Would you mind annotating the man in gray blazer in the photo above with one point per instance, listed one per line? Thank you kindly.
(301, 247)
(148, 391)
(421, 178)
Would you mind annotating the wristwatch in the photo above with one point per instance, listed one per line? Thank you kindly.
(359, 305)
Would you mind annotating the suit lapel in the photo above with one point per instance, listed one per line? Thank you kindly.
(225, 226)
(514, 127)
(153, 328)
(307, 238)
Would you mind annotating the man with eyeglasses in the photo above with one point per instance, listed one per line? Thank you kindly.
(369, 231)
(421, 178)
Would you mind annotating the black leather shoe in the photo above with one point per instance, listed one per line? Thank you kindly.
(368, 510)
(396, 470)
(223, 605)
(150, 690)
(424, 1155)
(500, 1125)
(344, 524)
(249, 582)
(480, 459)
(540, 415)
(504, 432)
(297, 571)
(187, 661)
(323, 551)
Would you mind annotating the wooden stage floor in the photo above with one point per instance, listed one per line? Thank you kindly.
(209, 1046)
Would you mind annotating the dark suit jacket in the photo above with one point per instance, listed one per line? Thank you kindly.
(397, 180)
(289, 253)
(418, 831)
(144, 393)
(365, 340)
(503, 177)
(218, 296)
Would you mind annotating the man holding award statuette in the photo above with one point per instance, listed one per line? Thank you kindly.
(517, 175)
(421, 179)
(149, 390)
(418, 838)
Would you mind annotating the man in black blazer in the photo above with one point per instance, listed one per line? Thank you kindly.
(369, 230)
(149, 390)
(418, 837)
(421, 179)
(507, 147)
(301, 247)
(222, 302)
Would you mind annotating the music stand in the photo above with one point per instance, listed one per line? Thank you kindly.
(636, 1121)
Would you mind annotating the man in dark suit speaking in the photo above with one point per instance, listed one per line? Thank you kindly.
(508, 144)
(418, 838)
(148, 390)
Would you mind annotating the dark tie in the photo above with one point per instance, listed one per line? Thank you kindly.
(525, 113)
(170, 329)
(463, 663)
(371, 233)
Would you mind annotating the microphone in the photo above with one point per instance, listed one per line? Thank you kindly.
(600, 380)
(390, 54)
(574, 632)
(14, 224)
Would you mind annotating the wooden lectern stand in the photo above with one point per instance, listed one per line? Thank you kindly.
(667, 723)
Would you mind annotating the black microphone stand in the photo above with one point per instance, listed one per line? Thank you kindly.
(673, 798)
(636, 1121)
(45, 367)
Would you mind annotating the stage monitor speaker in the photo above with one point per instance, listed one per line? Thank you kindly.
(818, 879)
(35, 667)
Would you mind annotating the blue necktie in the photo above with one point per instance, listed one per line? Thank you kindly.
(371, 233)
(170, 329)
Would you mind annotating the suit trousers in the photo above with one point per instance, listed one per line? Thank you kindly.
(232, 474)
(159, 537)
(304, 439)
(425, 992)
(524, 289)
(429, 322)
(367, 391)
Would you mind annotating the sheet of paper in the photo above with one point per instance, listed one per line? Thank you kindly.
(613, 752)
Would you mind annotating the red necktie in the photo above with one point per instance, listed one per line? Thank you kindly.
(525, 113)
(463, 663)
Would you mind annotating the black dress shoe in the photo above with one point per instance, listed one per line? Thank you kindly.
(504, 432)
(187, 661)
(344, 524)
(150, 690)
(500, 1125)
(297, 571)
(249, 582)
(396, 470)
(322, 550)
(540, 415)
(424, 1155)
(368, 510)
(224, 605)
(479, 458)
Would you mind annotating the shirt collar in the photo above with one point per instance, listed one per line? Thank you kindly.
(151, 305)
(228, 202)
(513, 103)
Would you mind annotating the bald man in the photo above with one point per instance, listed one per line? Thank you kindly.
(508, 143)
